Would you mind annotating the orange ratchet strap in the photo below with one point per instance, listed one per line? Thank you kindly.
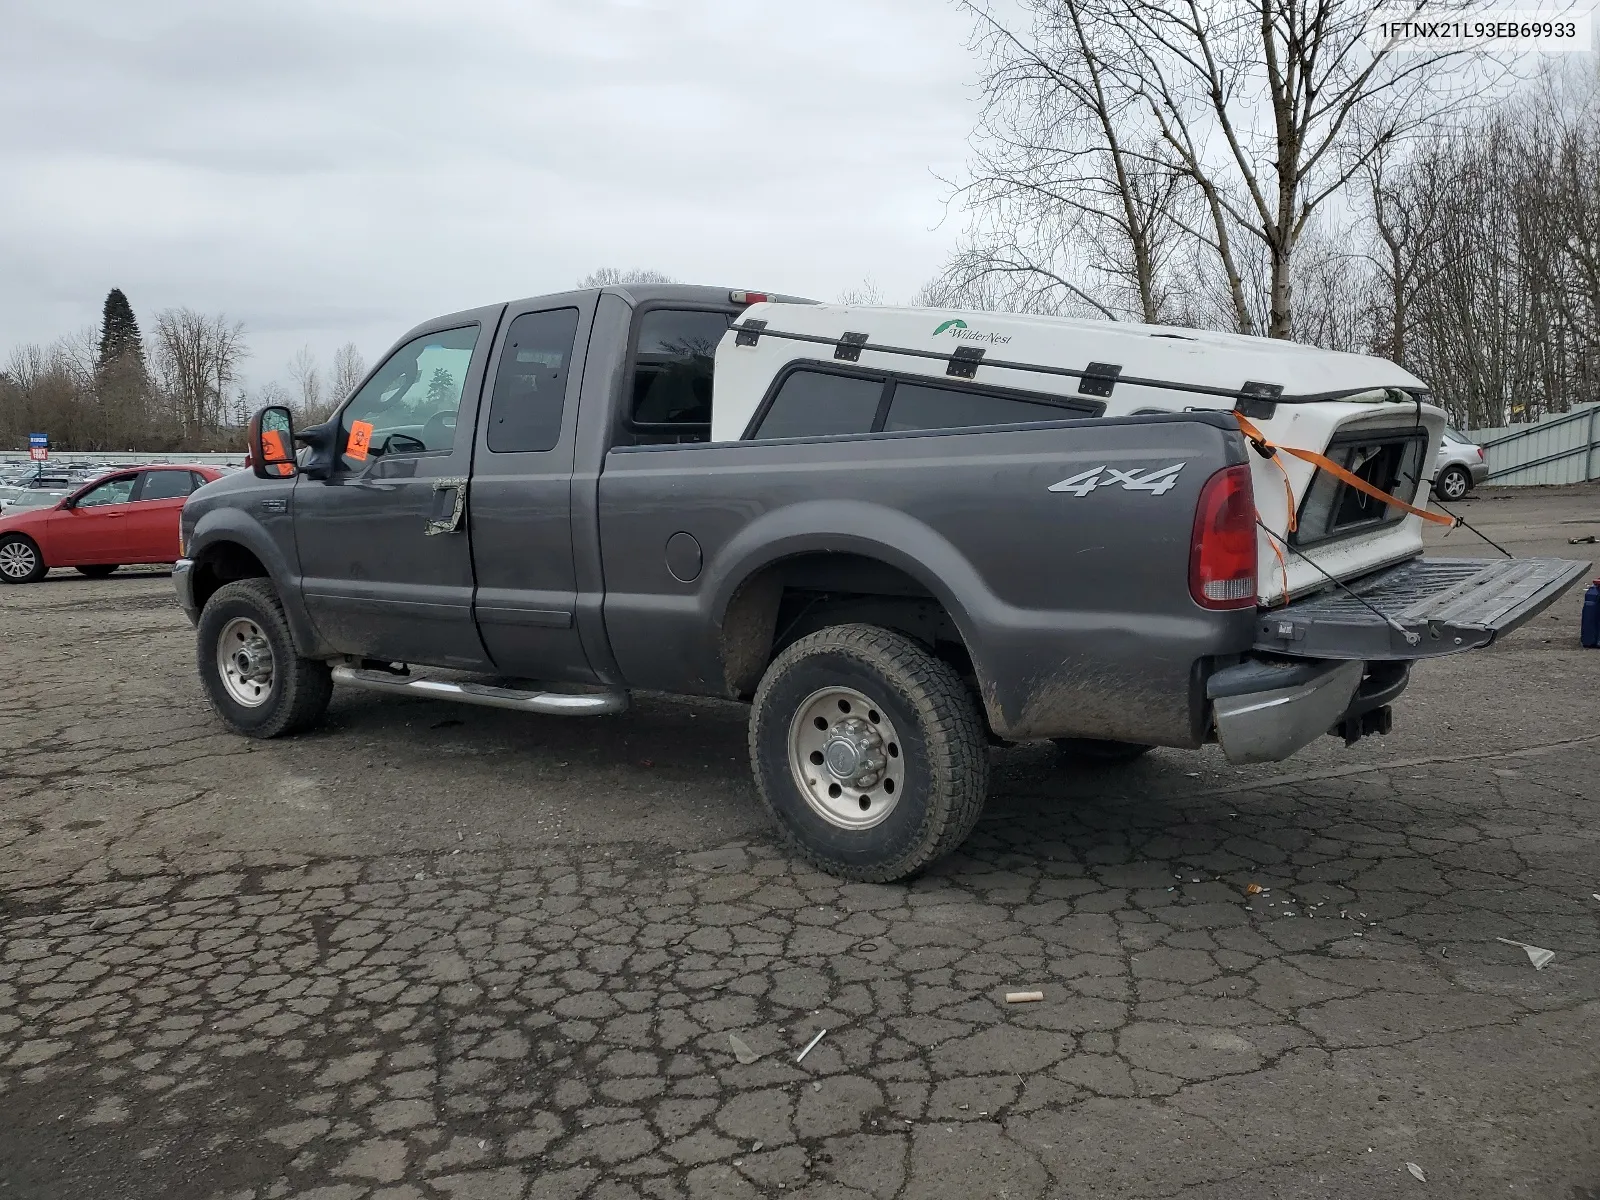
(1258, 439)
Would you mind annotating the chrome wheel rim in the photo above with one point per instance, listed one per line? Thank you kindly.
(846, 758)
(1455, 485)
(18, 560)
(244, 662)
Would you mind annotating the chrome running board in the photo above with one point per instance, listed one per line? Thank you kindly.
(550, 704)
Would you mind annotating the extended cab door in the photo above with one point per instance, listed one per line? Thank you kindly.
(521, 509)
(386, 568)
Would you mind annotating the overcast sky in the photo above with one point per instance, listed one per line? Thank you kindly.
(337, 170)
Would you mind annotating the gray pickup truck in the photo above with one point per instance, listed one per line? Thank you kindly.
(522, 507)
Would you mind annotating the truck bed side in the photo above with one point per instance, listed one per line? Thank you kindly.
(1073, 604)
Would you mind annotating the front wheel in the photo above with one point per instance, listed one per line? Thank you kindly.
(1453, 483)
(252, 675)
(20, 560)
(869, 753)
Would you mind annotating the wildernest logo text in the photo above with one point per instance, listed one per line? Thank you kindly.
(957, 328)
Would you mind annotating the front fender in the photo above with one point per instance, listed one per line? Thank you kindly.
(221, 526)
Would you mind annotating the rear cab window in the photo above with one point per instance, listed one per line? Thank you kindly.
(673, 360)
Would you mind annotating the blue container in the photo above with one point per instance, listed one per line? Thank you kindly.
(1591, 615)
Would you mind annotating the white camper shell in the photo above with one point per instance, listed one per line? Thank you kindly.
(1367, 413)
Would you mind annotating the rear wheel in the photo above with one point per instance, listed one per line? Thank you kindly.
(98, 571)
(1097, 750)
(20, 560)
(869, 753)
(1453, 483)
(252, 675)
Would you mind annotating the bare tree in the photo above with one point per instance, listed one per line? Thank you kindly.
(197, 358)
(865, 294)
(1114, 122)
(310, 406)
(349, 369)
(616, 277)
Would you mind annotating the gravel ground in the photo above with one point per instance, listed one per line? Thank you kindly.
(438, 952)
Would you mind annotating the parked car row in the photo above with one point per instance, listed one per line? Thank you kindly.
(125, 516)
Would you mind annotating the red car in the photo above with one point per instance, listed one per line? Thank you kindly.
(126, 517)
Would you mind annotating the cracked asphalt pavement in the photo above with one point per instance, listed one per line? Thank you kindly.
(434, 953)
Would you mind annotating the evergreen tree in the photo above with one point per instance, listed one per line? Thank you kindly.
(441, 387)
(119, 332)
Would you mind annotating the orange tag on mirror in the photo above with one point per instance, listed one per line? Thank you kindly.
(360, 439)
(272, 447)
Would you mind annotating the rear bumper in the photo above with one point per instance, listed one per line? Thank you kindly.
(1479, 471)
(183, 584)
(1266, 711)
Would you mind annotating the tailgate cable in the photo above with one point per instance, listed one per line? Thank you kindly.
(1463, 521)
(1411, 637)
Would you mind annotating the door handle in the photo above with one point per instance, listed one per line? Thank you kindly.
(449, 506)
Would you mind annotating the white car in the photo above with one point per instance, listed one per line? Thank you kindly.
(1459, 466)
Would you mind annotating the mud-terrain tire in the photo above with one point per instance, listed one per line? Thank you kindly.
(254, 679)
(1097, 750)
(20, 560)
(98, 571)
(893, 777)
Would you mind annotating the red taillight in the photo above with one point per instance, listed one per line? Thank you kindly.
(748, 297)
(1222, 557)
(1480, 453)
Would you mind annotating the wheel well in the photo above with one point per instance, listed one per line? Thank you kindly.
(793, 597)
(220, 563)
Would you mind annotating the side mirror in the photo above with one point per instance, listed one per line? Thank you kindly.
(272, 443)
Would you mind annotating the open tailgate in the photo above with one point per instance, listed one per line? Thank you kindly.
(1429, 607)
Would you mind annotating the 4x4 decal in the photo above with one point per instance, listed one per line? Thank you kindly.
(1155, 480)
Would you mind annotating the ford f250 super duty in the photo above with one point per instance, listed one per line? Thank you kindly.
(900, 535)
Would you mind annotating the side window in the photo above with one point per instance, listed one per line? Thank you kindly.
(917, 406)
(673, 366)
(530, 386)
(198, 481)
(409, 406)
(165, 485)
(112, 491)
(817, 403)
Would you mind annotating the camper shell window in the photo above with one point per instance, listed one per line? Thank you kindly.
(811, 399)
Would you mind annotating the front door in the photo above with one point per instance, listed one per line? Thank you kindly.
(96, 528)
(521, 511)
(386, 568)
